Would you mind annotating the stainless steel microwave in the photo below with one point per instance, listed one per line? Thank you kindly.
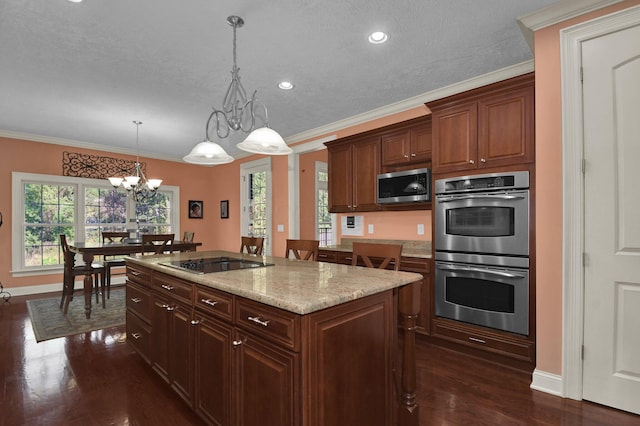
(407, 186)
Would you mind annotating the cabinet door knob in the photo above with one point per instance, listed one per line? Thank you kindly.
(195, 322)
(413, 155)
(135, 335)
(472, 162)
(482, 160)
(406, 156)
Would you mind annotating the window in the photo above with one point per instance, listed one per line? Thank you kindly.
(323, 217)
(46, 206)
(255, 180)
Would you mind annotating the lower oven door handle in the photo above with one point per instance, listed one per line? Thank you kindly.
(484, 271)
(480, 197)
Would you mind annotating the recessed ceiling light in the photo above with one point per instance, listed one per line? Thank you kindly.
(285, 85)
(378, 37)
(75, 1)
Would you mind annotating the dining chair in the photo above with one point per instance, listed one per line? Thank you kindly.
(156, 243)
(376, 251)
(252, 245)
(71, 271)
(303, 249)
(188, 236)
(112, 261)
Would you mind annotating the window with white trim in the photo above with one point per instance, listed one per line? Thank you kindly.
(323, 217)
(45, 206)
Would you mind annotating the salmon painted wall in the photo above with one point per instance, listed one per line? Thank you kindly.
(549, 199)
(34, 157)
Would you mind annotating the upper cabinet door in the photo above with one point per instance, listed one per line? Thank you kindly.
(340, 178)
(505, 128)
(409, 145)
(492, 126)
(455, 135)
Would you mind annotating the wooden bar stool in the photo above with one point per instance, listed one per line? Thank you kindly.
(303, 249)
(252, 245)
(376, 255)
(157, 243)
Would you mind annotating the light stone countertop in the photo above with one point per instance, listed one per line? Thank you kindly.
(296, 286)
(413, 248)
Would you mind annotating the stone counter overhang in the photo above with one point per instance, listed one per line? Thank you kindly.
(296, 286)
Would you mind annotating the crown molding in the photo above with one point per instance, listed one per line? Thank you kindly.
(85, 145)
(557, 13)
(416, 101)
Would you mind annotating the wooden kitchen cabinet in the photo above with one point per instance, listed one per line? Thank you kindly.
(353, 170)
(240, 362)
(492, 126)
(410, 145)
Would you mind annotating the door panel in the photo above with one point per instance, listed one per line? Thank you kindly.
(611, 67)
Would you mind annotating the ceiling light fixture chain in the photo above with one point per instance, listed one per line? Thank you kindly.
(137, 185)
(237, 114)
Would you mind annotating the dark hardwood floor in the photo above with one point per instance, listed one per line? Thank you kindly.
(96, 379)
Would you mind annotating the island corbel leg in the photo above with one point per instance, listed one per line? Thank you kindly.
(409, 307)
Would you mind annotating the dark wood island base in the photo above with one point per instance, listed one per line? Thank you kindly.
(242, 361)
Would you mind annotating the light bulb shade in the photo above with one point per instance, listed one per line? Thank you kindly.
(154, 184)
(126, 185)
(132, 180)
(265, 141)
(208, 153)
(115, 181)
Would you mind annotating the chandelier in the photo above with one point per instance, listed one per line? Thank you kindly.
(238, 113)
(137, 185)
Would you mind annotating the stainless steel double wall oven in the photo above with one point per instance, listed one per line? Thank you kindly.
(481, 242)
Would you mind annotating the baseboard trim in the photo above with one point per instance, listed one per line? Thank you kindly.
(547, 382)
(51, 288)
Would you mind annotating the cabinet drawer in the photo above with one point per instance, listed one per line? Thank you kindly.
(269, 323)
(139, 335)
(415, 264)
(345, 257)
(330, 256)
(502, 345)
(214, 302)
(173, 287)
(139, 301)
(139, 274)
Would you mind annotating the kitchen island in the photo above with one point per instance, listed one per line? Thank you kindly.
(284, 342)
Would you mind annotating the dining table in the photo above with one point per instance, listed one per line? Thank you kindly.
(89, 250)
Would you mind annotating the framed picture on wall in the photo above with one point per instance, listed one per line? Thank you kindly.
(224, 209)
(195, 209)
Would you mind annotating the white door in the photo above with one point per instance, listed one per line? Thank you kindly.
(611, 85)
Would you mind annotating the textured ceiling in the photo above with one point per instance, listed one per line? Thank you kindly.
(83, 72)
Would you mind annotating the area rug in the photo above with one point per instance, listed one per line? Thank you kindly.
(49, 323)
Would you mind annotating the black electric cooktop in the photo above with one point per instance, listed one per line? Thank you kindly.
(206, 265)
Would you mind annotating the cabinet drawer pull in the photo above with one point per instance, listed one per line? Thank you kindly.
(168, 307)
(195, 322)
(136, 300)
(136, 335)
(475, 339)
(209, 302)
(167, 287)
(257, 320)
(135, 273)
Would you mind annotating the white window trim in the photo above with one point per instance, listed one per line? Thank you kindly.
(294, 186)
(263, 164)
(18, 180)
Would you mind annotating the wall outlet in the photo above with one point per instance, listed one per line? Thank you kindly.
(421, 229)
(370, 228)
(280, 227)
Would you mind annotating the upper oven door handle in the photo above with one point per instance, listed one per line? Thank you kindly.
(480, 197)
(484, 271)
